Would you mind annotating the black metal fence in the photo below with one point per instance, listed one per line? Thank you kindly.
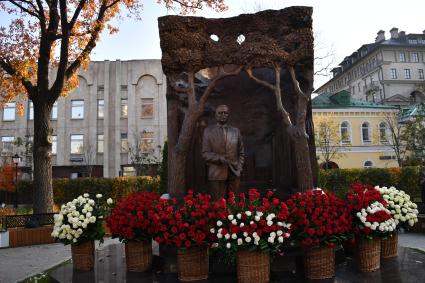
(26, 220)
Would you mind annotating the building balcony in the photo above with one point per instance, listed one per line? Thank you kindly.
(371, 87)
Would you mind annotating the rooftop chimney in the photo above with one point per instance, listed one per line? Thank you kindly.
(394, 33)
(423, 31)
(402, 35)
(381, 36)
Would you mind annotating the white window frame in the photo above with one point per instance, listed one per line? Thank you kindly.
(124, 108)
(421, 74)
(383, 126)
(402, 57)
(77, 139)
(100, 143)
(54, 144)
(9, 109)
(54, 113)
(415, 57)
(349, 133)
(76, 105)
(100, 108)
(368, 133)
(407, 74)
(30, 111)
(7, 145)
(393, 73)
(124, 143)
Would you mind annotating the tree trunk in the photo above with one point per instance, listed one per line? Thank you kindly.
(42, 153)
(177, 178)
(303, 163)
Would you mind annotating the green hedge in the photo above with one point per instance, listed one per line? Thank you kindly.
(338, 181)
(65, 190)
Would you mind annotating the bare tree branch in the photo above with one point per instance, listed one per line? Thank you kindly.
(297, 84)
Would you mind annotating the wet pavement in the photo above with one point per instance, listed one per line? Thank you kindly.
(408, 267)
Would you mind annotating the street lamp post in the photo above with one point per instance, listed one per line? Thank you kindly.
(16, 159)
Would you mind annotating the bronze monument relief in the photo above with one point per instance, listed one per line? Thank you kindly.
(266, 79)
(222, 149)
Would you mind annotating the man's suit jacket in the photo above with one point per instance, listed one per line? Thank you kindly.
(216, 147)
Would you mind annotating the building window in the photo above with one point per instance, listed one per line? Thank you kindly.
(407, 73)
(77, 144)
(147, 144)
(7, 145)
(394, 73)
(383, 132)
(31, 111)
(124, 108)
(54, 111)
(415, 57)
(368, 164)
(54, 144)
(366, 132)
(345, 132)
(421, 73)
(100, 143)
(9, 111)
(124, 142)
(402, 57)
(100, 108)
(147, 108)
(77, 109)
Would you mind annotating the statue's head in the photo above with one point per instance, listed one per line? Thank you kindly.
(222, 114)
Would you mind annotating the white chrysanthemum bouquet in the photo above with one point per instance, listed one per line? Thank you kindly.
(81, 220)
(403, 210)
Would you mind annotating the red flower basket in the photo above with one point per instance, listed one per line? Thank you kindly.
(319, 222)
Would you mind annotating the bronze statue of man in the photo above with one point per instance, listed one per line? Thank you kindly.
(222, 149)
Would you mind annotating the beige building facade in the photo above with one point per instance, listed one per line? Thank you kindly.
(118, 105)
(388, 71)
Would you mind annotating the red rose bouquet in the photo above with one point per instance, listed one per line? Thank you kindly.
(137, 217)
(251, 222)
(318, 218)
(187, 224)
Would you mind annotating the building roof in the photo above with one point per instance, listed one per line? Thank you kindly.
(401, 39)
(343, 99)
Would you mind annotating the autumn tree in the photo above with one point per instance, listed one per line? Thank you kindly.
(392, 136)
(328, 139)
(142, 156)
(42, 48)
(414, 135)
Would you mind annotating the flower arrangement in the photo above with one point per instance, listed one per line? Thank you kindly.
(318, 218)
(81, 220)
(250, 222)
(136, 217)
(188, 224)
(372, 219)
(403, 210)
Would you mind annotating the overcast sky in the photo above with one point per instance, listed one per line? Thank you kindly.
(341, 24)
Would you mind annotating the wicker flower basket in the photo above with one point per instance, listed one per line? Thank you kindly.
(368, 254)
(192, 263)
(83, 255)
(253, 266)
(389, 246)
(138, 256)
(319, 263)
